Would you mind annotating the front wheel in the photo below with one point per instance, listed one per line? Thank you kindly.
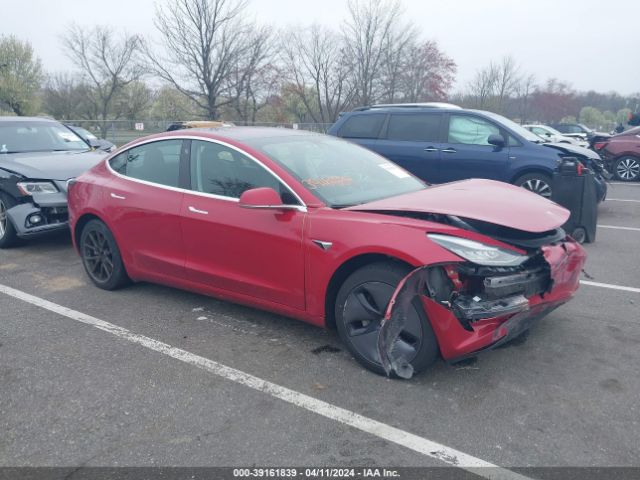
(627, 169)
(8, 235)
(537, 183)
(101, 256)
(360, 306)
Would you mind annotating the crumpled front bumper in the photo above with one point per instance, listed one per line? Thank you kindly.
(493, 321)
(52, 208)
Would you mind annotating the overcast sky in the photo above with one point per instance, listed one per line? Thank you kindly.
(592, 44)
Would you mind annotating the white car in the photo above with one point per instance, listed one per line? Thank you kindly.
(552, 135)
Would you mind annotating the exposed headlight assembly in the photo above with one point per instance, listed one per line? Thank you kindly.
(477, 252)
(29, 188)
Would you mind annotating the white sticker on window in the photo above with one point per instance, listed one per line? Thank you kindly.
(394, 170)
(68, 136)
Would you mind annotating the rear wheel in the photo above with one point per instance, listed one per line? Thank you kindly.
(537, 183)
(101, 256)
(627, 169)
(8, 234)
(360, 306)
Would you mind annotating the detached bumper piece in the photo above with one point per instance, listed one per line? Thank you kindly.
(475, 308)
(470, 309)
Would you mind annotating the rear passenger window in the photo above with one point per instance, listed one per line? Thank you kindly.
(414, 127)
(362, 126)
(156, 162)
(470, 130)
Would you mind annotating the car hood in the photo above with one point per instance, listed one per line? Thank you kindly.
(485, 200)
(574, 150)
(50, 165)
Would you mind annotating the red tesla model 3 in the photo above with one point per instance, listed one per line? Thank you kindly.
(319, 229)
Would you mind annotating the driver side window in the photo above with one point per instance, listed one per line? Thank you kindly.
(223, 171)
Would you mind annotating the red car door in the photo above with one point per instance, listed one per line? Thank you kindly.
(144, 208)
(257, 252)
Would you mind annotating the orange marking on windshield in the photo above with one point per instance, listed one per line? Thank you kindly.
(334, 181)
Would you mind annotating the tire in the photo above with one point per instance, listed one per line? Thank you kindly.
(8, 234)
(359, 308)
(627, 168)
(101, 256)
(537, 183)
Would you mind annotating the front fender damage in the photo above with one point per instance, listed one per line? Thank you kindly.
(471, 295)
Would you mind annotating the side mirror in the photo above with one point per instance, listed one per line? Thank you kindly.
(496, 140)
(264, 198)
(260, 198)
(94, 143)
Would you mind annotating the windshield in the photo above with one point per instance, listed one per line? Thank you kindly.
(340, 173)
(514, 127)
(20, 137)
(84, 133)
(552, 130)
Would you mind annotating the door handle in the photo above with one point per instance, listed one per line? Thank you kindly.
(119, 197)
(195, 210)
(431, 149)
(449, 150)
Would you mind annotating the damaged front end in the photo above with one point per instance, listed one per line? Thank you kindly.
(474, 307)
(40, 214)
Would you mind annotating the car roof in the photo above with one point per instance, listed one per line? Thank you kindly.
(246, 133)
(27, 119)
(427, 106)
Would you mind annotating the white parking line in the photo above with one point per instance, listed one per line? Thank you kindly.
(615, 227)
(387, 432)
(611, 286)
(621, 200)
(625, 184)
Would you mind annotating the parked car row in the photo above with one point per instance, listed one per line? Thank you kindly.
(554, 136)
(442, 143)
(311, 226)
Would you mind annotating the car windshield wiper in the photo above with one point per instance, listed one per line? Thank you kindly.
(344, 205)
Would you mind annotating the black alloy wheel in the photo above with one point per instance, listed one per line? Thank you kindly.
(8, 235)
(101, 256)
(360, 307)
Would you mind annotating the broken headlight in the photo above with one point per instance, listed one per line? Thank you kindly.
(29, 188)
(478, 253)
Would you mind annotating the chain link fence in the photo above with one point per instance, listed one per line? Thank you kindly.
(124, 131)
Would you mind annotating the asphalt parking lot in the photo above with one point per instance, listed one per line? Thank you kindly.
(74, 394)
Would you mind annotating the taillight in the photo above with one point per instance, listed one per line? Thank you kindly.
(599, 145)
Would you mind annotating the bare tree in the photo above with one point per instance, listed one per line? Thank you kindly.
(483, 86)
(507, 80)
(315, 65)
(397, 56)
(134, 101)
(204, 42)
(107, 62)
(426, 74)
(524, 92)
(372, 25)
(254, 77)
(63, 96)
